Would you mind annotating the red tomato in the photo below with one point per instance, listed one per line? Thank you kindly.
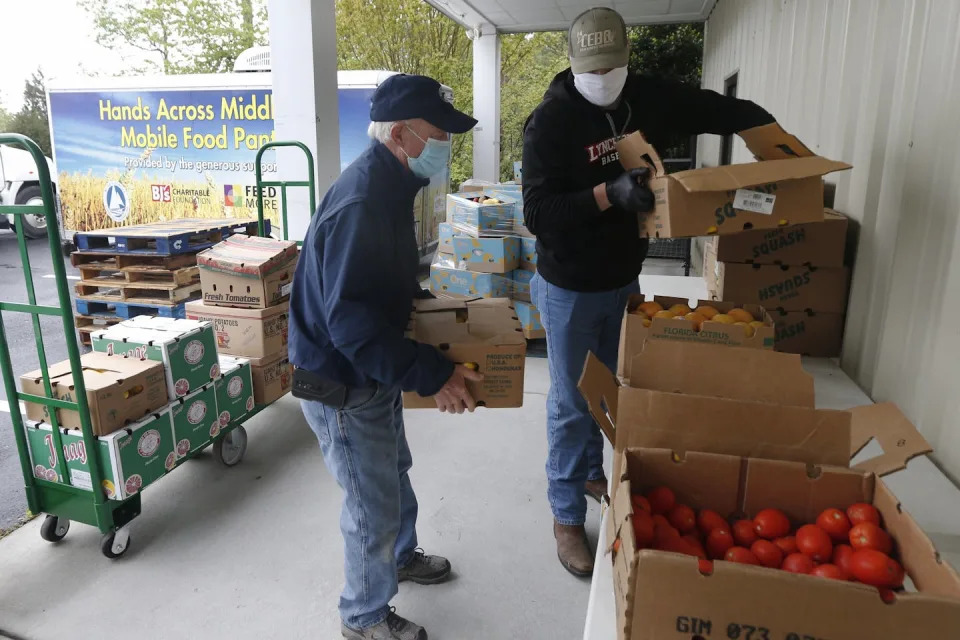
(814, 542)
(683, 518)
(709, 520)
(718, 542)
(798, 563)
(835, 523)
(877, 569)
(741, 555)
(675, 545)
(787, 544)
(743, 533)
(662, 529)
(640, 503)
(767, 553)
(867, 535)
(695, 545)
(661, 500)
(643, 528)
(771, 523)
(828, 571)
(863, 512)
(841, 559)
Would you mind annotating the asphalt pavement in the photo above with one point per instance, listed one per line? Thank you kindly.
(23, 351)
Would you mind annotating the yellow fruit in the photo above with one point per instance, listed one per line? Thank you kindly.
(723, 318)
(664, 314)
(706, 311)
(696, 318)
(711, 230)
(741, 315)
(758, 324)
(650, 307)
(680, 309)
(646, 322)
(747, 329)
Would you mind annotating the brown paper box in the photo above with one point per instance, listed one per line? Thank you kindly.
(120, 390)
(783, 187)
(252, 333)
(821, 244)
(272, 377)
(780, 286)
(809, 333)
(245, 271)
(485, 332)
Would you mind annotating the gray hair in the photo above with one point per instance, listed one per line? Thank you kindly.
(381, 131)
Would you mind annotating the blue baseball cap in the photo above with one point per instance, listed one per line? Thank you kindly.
(405, 97)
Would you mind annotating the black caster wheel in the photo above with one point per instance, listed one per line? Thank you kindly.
(54, 529)
(115, 543)
(230, 448)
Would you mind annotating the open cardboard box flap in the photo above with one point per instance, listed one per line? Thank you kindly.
(898, 437)
(99, 370)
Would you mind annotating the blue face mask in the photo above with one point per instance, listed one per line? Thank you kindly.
(432, 160)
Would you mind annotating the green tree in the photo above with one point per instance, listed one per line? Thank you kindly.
(180, 36)
(31, 119)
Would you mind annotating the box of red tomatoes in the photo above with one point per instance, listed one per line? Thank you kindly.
(733, 518)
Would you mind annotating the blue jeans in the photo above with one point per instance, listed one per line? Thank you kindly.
(365, 448)
(575, 323)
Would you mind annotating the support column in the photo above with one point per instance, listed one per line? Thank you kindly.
(486, 104)
(303, 60)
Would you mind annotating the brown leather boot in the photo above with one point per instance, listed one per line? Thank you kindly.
(596, 488)
(572, 549)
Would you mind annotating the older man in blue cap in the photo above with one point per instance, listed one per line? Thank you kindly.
(349, 308)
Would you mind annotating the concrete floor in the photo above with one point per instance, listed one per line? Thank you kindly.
(255, 551)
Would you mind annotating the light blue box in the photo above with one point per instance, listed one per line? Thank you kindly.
(448, 280)
(518, 171)
(528, 253)
(475, 219)
(487, 255)
(445, 244)
(521, 284)
(529, 320)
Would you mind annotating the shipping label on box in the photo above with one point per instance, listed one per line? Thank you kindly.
(244, 271)
(781, 287)
(195, 420)
(250, 333)
(529, 320)
(234, 390)
(471, 217)
(487, 255)
(447, 279)
(809, 333)
(130, 459)
(187, 349)
(445, 244)
(272, 377)
(821, 244)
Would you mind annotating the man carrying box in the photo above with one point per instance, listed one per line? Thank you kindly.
(349, 310)
(584, 209)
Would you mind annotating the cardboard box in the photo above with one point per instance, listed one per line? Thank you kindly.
(528, 253)
(251, 333)
(120, 390)
(485, 332)
(195, 420)
(272, 377)
(809, 333)
(514, 193)
(234, 390)
(784, 186)
(521, 284)
(487, 255)
(447, 277)
(186, 348)
(445, 243)
(780, 286)
(821, 244)
(529, 319)
(247, 271)
(474, 219)
(634, 333)
(130, 459)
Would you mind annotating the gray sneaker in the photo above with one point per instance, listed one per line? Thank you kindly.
(424, 569)
(393, 628)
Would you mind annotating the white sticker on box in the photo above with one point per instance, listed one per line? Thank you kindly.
(755, 201)
(286, 289)
(81, 479)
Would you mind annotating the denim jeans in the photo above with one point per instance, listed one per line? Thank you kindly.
(365, 448)
(575, 323)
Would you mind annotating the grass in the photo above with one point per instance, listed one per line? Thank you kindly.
(24, 519)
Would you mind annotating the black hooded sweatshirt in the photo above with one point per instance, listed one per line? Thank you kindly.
(569, 147)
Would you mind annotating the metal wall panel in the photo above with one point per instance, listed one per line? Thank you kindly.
(875, 83)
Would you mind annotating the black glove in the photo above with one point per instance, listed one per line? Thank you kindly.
(630, 191)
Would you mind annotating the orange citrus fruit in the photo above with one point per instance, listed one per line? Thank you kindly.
(650, 307)
(680, 309)
(664, 314)
(723, 318)
(741, 315)
(747, 329)
(706, 311)
(696, 319)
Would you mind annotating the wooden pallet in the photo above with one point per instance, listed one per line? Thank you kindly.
(120, 261)
(127, 310)
(88, 324)
(188, 235)
(110, 274)
(152, 293)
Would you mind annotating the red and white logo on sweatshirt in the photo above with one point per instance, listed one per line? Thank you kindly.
(603, 152)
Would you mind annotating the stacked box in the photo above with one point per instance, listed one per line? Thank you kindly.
(529, 320)
(528, 253)
(469, 215)
(250, 333)
(797, 272)
(450, 279)
(195, 420)
(521, 284)
(445, 243)
(487, 255)
(234, 390)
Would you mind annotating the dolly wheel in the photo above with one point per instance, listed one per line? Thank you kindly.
(115, 543)
(54, 529)
(231, 447)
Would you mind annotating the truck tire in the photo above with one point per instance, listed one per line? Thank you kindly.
(33, 226)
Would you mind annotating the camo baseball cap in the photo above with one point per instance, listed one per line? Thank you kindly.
(598, 40)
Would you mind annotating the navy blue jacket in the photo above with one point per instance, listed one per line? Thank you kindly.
(356, 280)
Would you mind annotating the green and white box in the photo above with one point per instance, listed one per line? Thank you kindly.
(234, 389)
(195, 420)
(130, 459)
(187, 349)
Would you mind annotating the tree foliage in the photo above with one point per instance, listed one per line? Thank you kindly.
(31, 119)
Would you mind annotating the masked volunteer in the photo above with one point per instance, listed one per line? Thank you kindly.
(349, 309)
(583, 207)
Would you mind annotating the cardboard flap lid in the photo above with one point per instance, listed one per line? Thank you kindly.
(897, 436)
(99, 370)
(771, 142)
(722, 371)
(635, 152)
(599, 387)
(249, 255)
(739, 176)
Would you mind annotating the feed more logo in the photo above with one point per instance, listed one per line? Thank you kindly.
(236, 195)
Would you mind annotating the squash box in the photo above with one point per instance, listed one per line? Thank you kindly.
(234, 389)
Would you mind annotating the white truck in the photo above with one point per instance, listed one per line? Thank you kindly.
(20, 184)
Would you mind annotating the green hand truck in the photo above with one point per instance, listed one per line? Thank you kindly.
(283, 184)
(61, 501)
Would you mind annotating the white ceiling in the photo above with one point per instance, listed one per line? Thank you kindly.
(556, 15)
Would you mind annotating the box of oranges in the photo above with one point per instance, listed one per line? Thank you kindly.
(712, 322)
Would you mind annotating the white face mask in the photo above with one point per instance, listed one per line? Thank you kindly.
(601, 90)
